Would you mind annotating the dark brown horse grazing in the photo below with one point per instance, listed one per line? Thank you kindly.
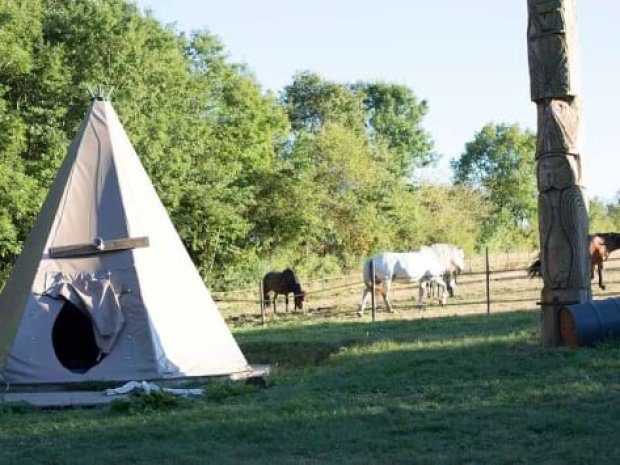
(601, 245)
(285, 282)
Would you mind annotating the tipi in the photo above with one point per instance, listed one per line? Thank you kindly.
(104, 288)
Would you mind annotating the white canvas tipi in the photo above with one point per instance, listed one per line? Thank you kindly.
(104, 288)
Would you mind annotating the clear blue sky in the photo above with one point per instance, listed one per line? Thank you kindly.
(468, 59)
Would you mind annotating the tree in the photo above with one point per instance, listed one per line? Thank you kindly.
(601, 216)
(394, 116)
(203, 129)
(324, 199)
(614, 212)
(20, 195)
(353, 147)
(311, 101)
(450, 214)
(500, 163)
(384, 113)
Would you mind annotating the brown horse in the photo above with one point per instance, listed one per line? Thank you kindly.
(285, 282)
(601, 245)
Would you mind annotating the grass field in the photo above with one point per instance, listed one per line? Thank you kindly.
(471, 389)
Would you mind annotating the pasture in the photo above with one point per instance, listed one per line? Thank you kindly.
(466, 389)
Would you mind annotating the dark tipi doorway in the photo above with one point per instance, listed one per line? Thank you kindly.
(73, 339)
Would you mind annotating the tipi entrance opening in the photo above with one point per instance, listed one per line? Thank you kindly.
(73, 339)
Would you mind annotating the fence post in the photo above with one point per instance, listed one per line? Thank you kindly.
(262, 303)
(373, 304)
(488, 272)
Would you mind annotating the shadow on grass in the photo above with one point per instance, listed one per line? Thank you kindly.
(294, 346)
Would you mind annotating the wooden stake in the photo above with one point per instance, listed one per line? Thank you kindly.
(262, 303)
(488, 280)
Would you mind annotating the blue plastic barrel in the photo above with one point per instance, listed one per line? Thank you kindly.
(587, 323)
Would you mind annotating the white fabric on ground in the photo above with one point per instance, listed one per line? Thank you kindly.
(146, 387)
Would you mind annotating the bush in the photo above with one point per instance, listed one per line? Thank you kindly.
(138, 403)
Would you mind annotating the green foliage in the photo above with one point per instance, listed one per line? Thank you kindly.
(16, 408)
(220, 391)
(316, 179)
(383, 113)
(500, 163)
(19, 27)
(312, 101)
(394, 117)
(335, 199)
(144, 403)
(451, 214)
(342, 192)
(203, 129)
(602, 217)
(614, 215)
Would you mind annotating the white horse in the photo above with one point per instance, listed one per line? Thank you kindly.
(424, 265)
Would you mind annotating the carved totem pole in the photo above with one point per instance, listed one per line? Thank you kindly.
(562, 208)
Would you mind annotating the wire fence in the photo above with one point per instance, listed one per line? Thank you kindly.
(499, 284)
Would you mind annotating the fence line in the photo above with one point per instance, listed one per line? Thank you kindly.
(351, 276)
(482, 287)
(401, 286)
(354, 275)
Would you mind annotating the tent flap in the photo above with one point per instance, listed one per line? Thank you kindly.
(97, 298)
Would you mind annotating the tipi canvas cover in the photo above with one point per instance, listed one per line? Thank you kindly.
(104, 288)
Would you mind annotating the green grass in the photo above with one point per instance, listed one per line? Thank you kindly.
(455, 390)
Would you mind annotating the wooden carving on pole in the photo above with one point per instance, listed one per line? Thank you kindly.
(562, 208)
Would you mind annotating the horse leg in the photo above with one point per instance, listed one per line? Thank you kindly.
(441, 287)
(432, 289)
(360, 307)
(421, 294)
(275, 307)
(286, 303)
(600, 276)
(386, 297)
